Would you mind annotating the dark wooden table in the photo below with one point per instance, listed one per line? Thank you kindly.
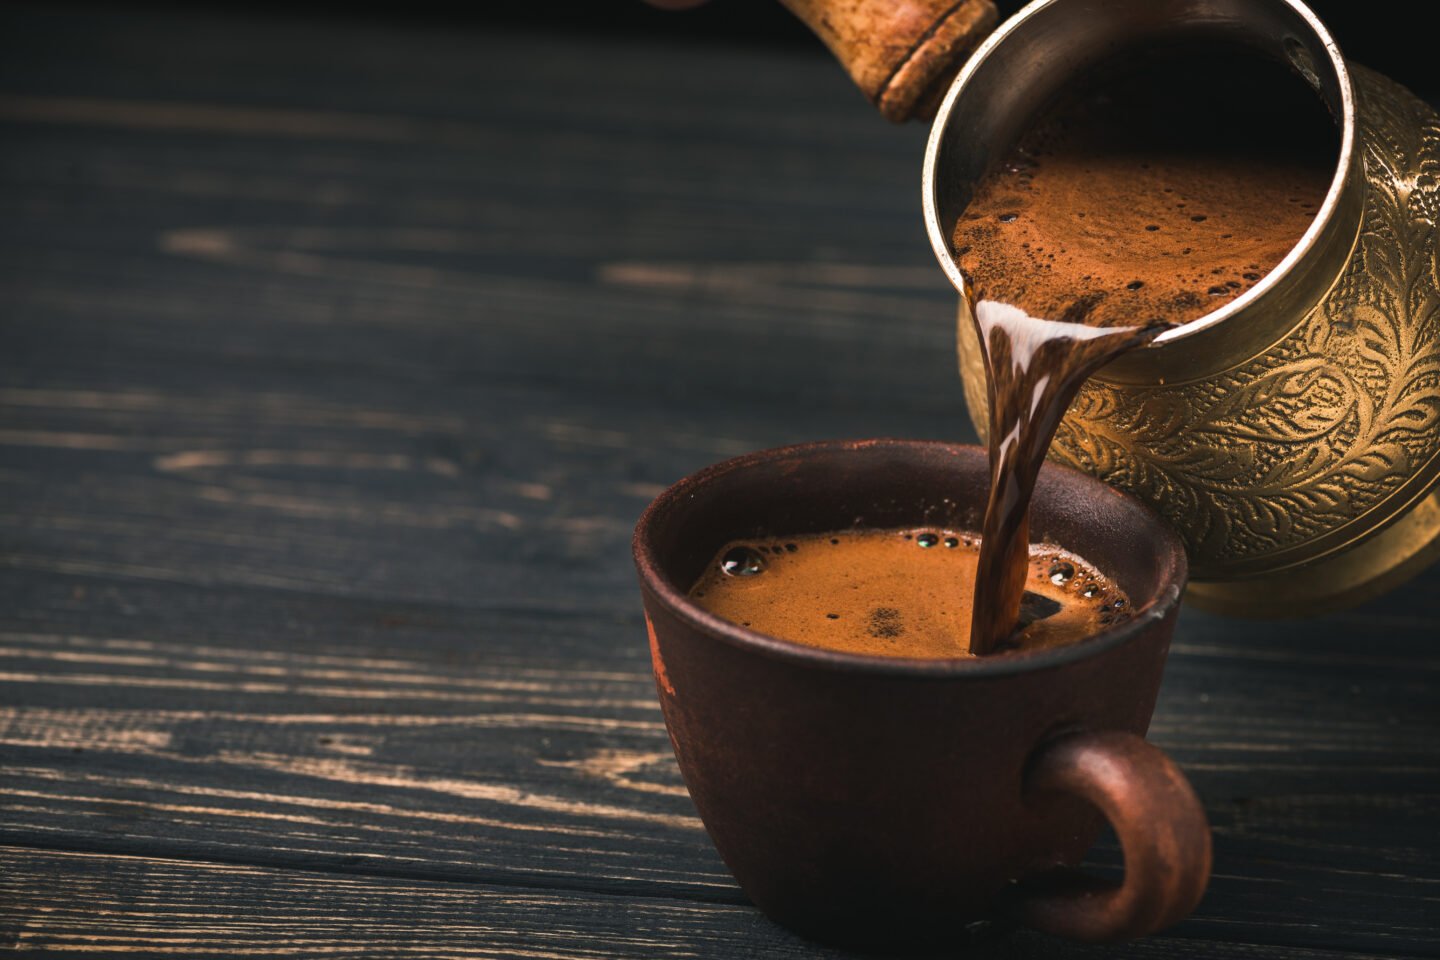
(336, 362)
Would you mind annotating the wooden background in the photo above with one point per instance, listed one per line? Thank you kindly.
(336, 363)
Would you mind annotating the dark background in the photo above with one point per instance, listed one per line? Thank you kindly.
(1379, 34)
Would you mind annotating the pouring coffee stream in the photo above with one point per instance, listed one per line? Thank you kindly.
(1034, 367)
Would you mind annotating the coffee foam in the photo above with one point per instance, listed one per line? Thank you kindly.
(897, 593)
(1165, 191)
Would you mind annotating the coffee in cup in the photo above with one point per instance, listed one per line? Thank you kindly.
(889, 803)
(897, 593)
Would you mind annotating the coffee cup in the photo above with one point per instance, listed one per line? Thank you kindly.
(891, 803)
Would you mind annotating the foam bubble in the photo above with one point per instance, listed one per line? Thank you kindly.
(742, 562)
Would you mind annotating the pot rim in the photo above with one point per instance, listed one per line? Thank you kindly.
(1331, 211)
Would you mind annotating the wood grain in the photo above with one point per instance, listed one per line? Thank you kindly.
(329, 391)
(87, 903)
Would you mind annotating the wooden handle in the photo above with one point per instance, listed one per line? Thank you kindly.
(1162, 829)
(901, 53)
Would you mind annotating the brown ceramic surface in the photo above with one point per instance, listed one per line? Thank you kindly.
(886, 803)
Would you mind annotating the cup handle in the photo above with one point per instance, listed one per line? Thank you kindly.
(1162, 829)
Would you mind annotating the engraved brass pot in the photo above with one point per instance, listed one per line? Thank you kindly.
(1292, 437)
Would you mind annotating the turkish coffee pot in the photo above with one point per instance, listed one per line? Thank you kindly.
(1292, 436)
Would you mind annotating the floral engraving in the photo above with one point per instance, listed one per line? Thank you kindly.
(1328, 422)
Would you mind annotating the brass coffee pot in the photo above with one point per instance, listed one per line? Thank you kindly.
(1291, 437)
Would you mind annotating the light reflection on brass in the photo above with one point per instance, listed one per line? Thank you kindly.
(1295, 445)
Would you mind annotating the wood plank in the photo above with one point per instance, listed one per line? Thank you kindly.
(60, 904)
(506, 746)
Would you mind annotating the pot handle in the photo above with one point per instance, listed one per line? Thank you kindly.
(1162, 829)
(902, 54)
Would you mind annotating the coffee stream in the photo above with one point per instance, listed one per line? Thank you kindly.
(1033, 368)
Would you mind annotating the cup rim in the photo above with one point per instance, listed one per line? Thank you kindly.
(653, 580)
